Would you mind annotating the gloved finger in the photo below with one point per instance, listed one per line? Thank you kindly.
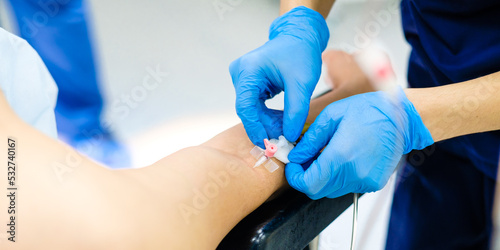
(272, 120)
(316, 138)
(295, 112)
(294, 174)
(324, 176)
(247, 108)
(308, 163)
(316, 178)
(313, 182)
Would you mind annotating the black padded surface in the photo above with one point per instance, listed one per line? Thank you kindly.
(290, 221)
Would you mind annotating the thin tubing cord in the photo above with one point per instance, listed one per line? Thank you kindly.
(356, 195)
(354, 219)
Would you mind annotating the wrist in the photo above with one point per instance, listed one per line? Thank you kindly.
(304, 23)
(418, 135)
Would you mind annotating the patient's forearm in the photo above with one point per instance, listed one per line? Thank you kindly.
(208, 189)
(246, 188)
(191, 198)
(197, 193)
(215, 184)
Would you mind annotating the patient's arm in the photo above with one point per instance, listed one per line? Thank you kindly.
(190, 199)
(85, 205)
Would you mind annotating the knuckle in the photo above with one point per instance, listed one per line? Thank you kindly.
(297, 183)
(244, 68)
(250, 59)
(234, 71)
(366, 180)
(234, 66)
(314, 197)
(312, 191)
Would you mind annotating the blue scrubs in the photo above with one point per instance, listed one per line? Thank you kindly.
(57, 30)
(444, 194)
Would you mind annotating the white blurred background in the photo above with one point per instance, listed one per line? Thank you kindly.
(192, 44)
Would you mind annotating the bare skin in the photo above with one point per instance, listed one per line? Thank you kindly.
(90, 207)
(459, 109)
(65, 201)
(447, 111)
(321, 6)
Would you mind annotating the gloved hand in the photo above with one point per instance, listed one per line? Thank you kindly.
(366, 135)
(289, 61)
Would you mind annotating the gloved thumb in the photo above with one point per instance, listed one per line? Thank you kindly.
(294, 174)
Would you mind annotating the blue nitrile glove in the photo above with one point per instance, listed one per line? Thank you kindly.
(366, 135)
(290, 61)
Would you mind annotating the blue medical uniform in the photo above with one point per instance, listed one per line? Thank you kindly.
(444, 194)
(57, 30)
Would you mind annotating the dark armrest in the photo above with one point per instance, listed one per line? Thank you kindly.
(290, 221)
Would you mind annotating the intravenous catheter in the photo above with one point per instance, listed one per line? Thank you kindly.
(277, 148)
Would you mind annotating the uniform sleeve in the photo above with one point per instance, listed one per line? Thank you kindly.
(27, 84)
